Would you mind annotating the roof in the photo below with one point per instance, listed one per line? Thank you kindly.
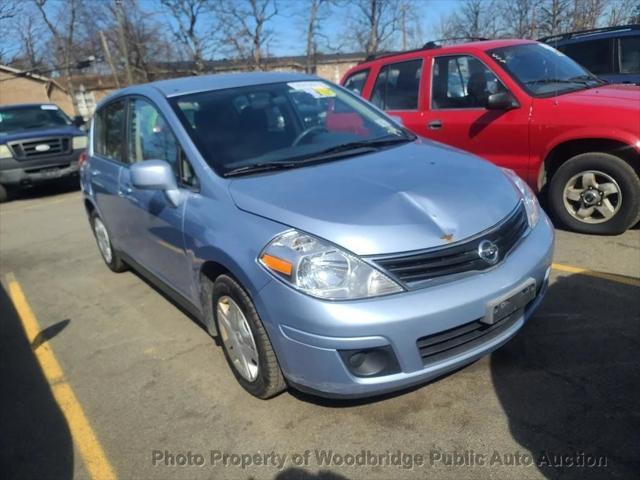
(185, 85)
(595, 32)
(33, 76)
(482, 45)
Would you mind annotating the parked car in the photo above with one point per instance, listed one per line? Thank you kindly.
(525, 106)
(613, 54)
(329, 248)
(38, 143)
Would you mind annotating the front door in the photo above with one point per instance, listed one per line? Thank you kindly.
(460, 86)
(156, 225)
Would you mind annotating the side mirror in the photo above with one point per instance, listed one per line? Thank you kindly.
(501, 101)
(156, 175)
(78, 121)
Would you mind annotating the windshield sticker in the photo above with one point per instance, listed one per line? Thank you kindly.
(49, 107)
(315, 89)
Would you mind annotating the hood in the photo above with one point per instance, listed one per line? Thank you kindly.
(625, 97)
(62, 131)
(410, 197)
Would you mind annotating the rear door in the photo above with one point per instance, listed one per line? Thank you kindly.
(460, 86)
(105, 167)
(156, 226)
(397, 90)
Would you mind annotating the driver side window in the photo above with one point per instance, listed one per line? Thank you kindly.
(462, 81)
(150, 138)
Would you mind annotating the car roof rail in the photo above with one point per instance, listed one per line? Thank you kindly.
(431, 44)
(585, 33)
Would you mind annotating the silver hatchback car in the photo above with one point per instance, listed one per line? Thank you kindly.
(326, 246)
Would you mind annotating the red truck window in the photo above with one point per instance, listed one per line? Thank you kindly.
(462, 81)
(356, 81)
(397, 86)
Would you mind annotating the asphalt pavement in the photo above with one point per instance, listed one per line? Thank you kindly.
(152, 396)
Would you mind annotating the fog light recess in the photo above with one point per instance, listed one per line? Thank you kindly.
(370, 362)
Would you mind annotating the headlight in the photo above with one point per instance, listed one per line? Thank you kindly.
(323, 270)
(79, 142)
(530, 200)
(5, 152)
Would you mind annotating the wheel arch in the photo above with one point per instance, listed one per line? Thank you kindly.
(567, 149)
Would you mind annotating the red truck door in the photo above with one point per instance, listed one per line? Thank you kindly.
(398, 88)
(456, 114)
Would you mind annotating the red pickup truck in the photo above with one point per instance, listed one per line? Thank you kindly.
(528, 107)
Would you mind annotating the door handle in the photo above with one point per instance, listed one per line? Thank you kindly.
(123, 192)
(434, 125)
(95, 172)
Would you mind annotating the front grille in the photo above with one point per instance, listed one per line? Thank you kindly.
(417, 267)
(41, 147)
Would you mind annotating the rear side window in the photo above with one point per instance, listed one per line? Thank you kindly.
(397, 86)
(594, 55)
(356, 82)
(108, 133)
(629, 54)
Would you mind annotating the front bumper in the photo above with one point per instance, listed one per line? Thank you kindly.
(49, 169)
(308, 333)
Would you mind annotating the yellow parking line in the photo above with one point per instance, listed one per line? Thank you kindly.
(83, 435)
(634, 282)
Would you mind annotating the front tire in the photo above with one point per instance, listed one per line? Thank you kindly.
(595, 193)
(4, 194)
(244, 340)
(108, 253)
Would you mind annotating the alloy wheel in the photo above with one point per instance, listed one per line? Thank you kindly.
(237, 338)
(592, 197)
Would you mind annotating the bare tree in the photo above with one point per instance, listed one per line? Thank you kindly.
(62, 25)
(411, 35)
(622, 12)
(521, 17)
(189, 16)
(245, 25)
(555, 16)
(29, 32)
(474, 19)
(314, 13)
(586, 14)
(372, 24)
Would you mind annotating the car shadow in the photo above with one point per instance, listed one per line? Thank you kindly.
(35, 441)
(44, 190)
(569, 382)
(300, 474)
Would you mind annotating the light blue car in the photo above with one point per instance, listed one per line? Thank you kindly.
(327, 247)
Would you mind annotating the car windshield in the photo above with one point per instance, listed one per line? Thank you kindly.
(17, 119)
(542, 70)
(282, 125)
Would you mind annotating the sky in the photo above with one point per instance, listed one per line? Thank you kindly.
(289, 38)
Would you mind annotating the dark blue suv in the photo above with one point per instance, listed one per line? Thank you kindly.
(38, 143)
(612, 54)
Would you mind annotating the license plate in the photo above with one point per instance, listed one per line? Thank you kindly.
(512, 302)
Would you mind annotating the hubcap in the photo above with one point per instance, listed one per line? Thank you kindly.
(592, 197)
(103, 239)
(237, 338)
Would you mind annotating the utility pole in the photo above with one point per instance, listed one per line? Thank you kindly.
(123, 43)
(107, 54)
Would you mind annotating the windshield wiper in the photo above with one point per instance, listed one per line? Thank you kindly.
(260, 167)
(338, 151)
(556, 80)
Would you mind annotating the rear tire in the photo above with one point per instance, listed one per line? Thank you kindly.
(595, 193)
(244, 337)
(110, 256)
